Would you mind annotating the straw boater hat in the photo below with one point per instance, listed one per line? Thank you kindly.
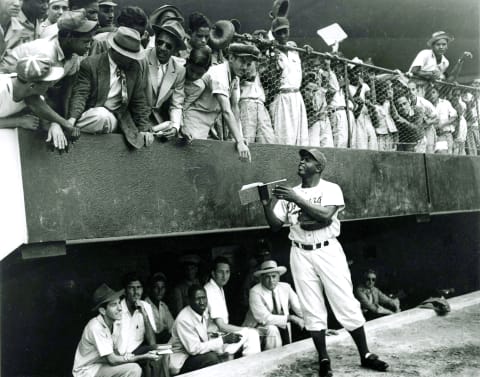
(269, 266)
(439, 35)
(127, 41)
(105, 294)
(175, 29)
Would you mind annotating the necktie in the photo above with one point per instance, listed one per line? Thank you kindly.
(123, 83)
(277, 309)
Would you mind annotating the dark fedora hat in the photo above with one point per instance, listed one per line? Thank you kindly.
(158, 13)
(175, 29)
(241, 49)
(105, 294)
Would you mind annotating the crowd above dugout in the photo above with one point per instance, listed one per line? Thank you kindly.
(165, 75)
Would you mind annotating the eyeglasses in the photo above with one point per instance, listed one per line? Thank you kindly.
(167, 45)
(58, 7)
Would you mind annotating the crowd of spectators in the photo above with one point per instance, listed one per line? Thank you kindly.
(166, 76)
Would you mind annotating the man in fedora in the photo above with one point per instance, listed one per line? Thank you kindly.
(95, 354)
(270, 303)
(166, 78)
(220, 98)
(109, 93)
(318, 263)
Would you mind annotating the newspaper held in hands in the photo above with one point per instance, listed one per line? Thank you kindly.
(251, 193)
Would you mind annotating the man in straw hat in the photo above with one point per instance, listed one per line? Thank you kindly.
(431, 64)
(270, 303)
(317, 259)
(95, 354)
(166, 78)
(34, 75)
(220, 97)
(109, 93)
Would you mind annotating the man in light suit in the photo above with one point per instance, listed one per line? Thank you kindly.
(109, 91)
(270, 303)
(191, 346)
(166, 78)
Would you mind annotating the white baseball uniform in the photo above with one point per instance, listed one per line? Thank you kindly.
(324, 267)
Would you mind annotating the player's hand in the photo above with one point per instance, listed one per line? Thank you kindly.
(285, 193)
(29, 122)
(243, 151)
(297, 320)
(467, 54)
(57, 137)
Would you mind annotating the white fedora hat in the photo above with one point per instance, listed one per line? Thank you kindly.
(269, 266)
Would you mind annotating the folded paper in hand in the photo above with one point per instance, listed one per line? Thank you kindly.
(250, 193)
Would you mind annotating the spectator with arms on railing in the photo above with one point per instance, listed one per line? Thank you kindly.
(409, 121)
(221, 96)
(34, 75)
(431, 64)
(460, 133)
(473, 106)
(109, 93)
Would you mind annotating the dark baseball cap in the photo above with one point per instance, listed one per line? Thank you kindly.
(315, 153)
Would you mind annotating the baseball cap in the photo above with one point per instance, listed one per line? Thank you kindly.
(315, 153)
(38, 68)
(280, 23)
(76, 20)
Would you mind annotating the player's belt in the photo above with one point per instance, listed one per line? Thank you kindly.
(311, 247)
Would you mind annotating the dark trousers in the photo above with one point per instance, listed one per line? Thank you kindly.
(195, 362)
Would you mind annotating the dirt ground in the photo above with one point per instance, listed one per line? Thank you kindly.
(439, 347)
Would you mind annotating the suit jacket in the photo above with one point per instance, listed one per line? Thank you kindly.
(372, 299)
(91, 90)
(190, 337)
(166, 98)
(261, 305)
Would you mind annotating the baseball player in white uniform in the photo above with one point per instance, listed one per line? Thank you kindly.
(317, 259)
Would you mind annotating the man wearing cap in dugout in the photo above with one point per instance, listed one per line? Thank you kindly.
(109, 93)
(34, 75)
(270, 302)
(220, 97)
(166, 78)
(317, 259)
(95, 355)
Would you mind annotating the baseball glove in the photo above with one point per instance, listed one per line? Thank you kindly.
(308, 223)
